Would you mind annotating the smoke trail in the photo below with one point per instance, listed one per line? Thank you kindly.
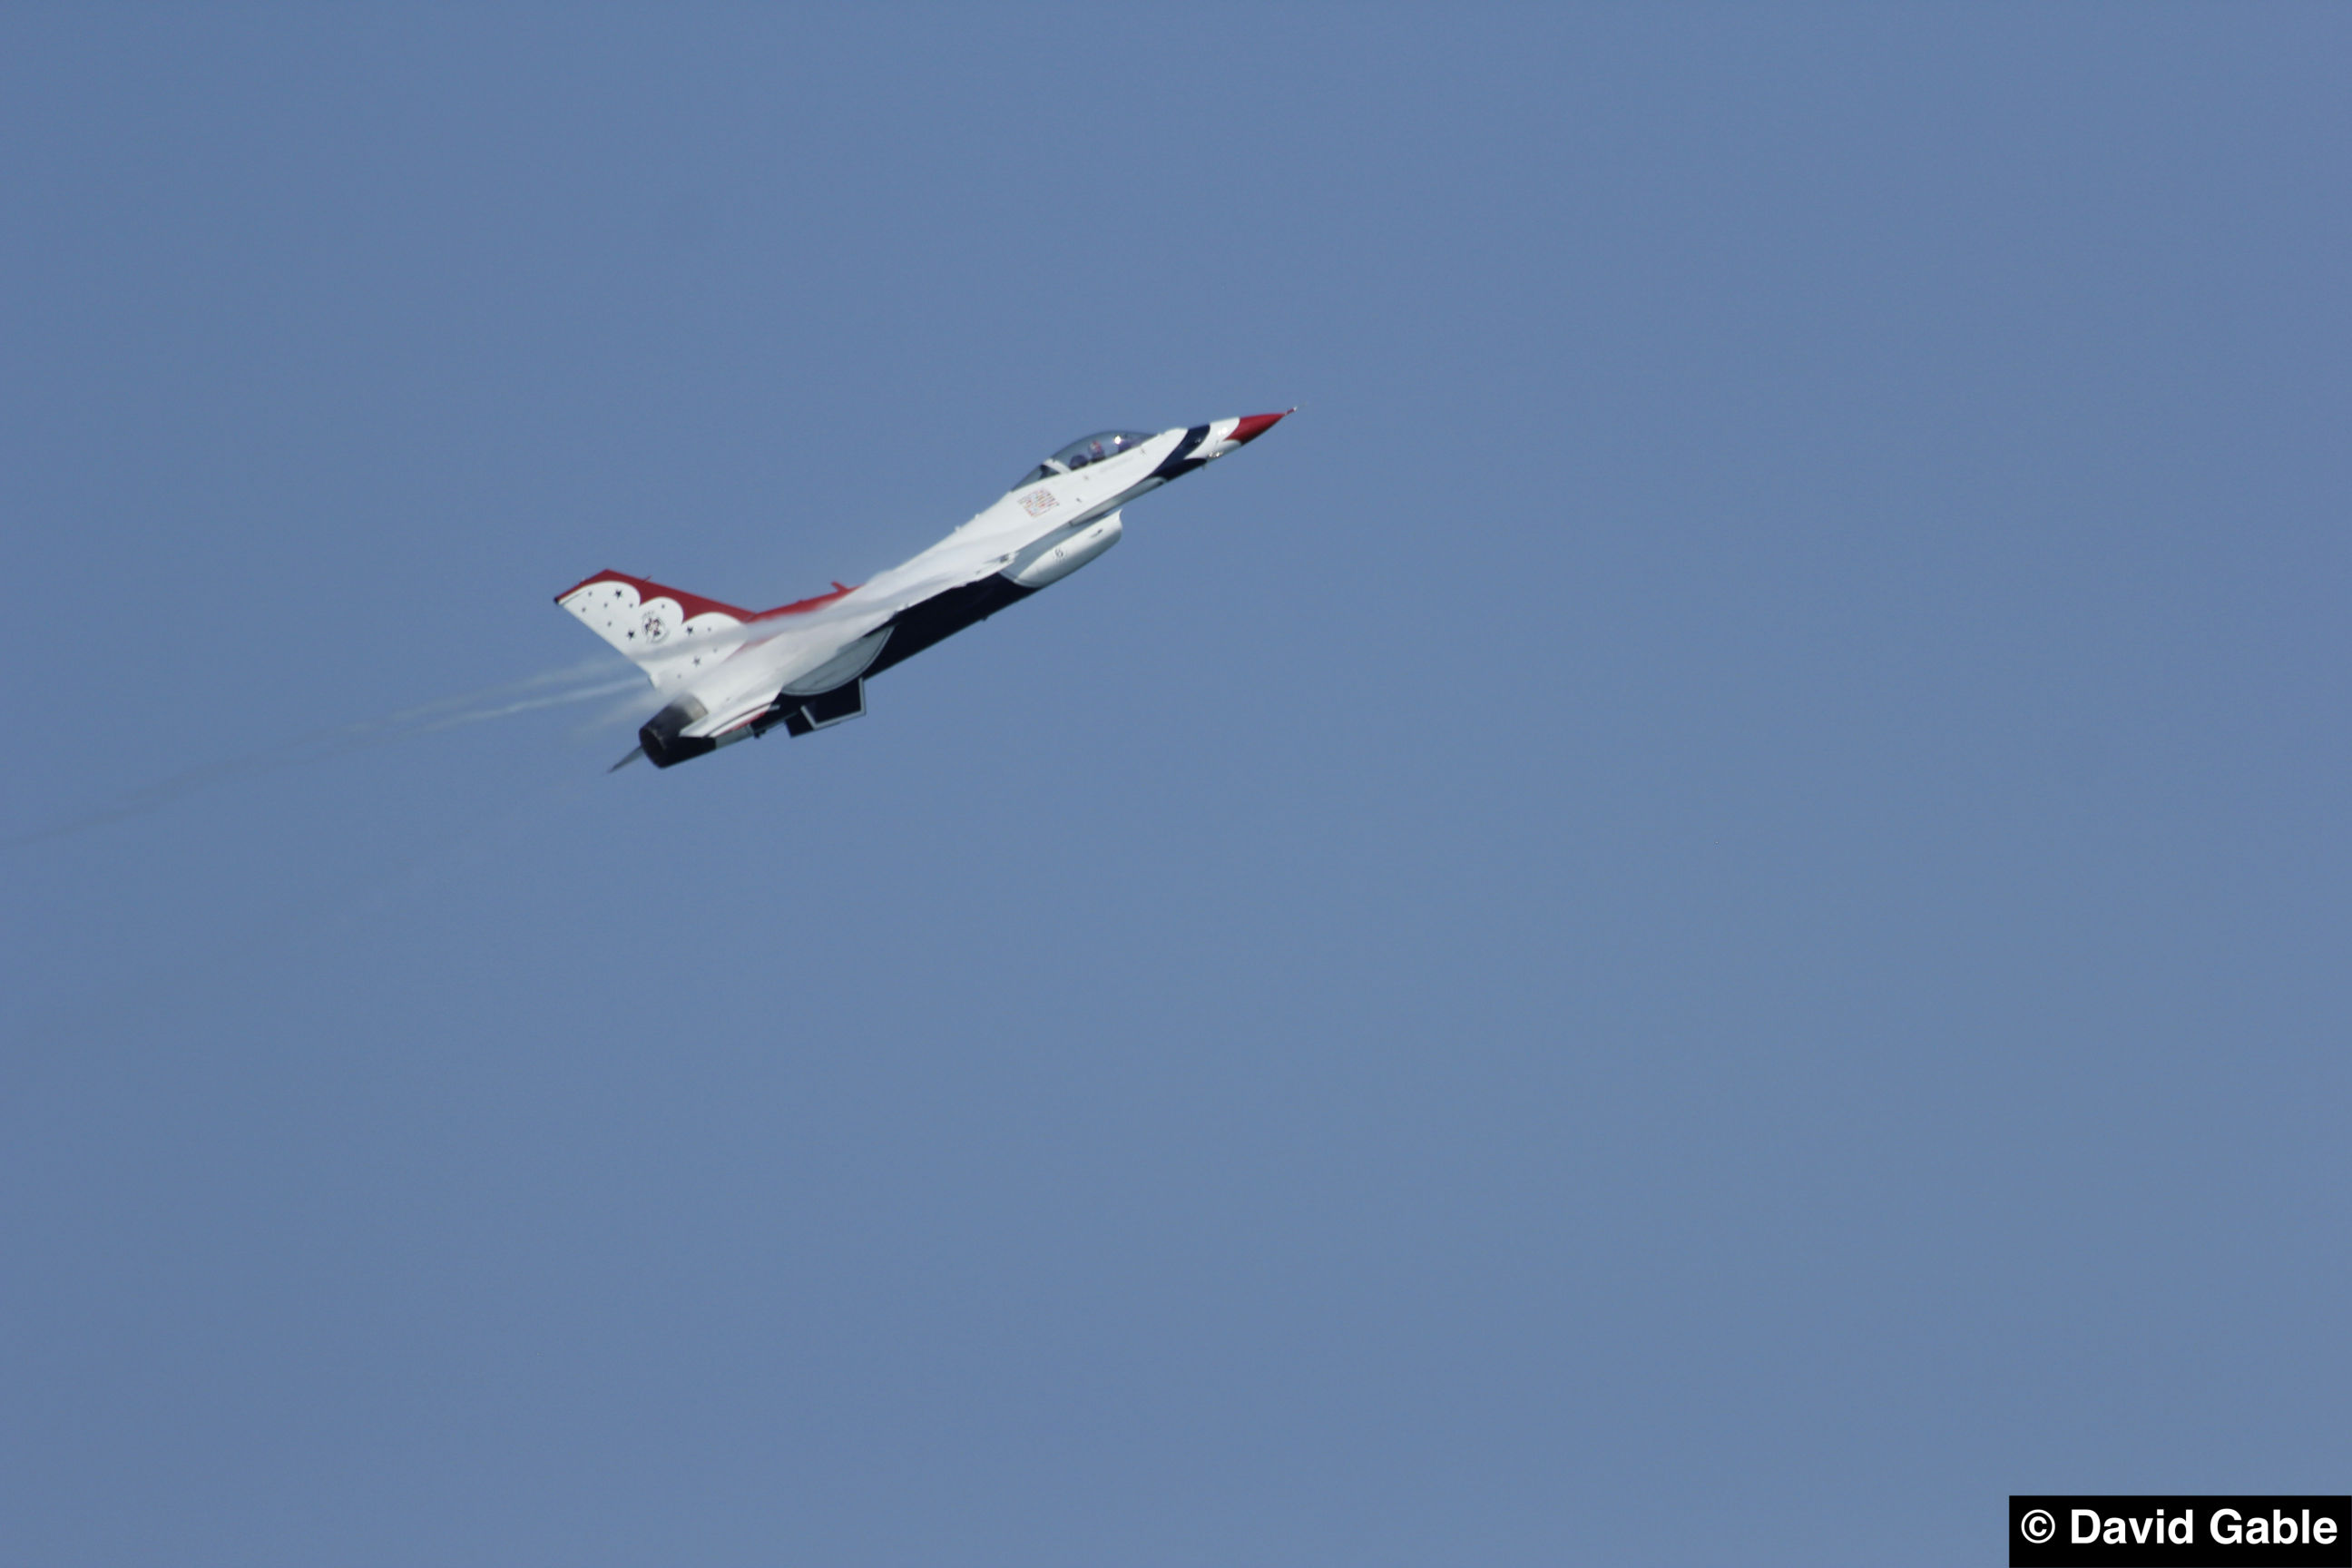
(583, 694)
(634, 709)
(554, 687)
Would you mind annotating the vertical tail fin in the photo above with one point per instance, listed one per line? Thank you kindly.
(666, 632)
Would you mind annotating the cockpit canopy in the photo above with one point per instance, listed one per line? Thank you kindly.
(1085, 449)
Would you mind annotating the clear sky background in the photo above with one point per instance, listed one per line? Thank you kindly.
(1701, 917)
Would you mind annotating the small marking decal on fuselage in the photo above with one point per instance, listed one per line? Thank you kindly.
(1037, 503)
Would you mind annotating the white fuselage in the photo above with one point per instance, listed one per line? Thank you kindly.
(732, 675)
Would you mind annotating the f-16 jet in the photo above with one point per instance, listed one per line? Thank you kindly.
(732, 674)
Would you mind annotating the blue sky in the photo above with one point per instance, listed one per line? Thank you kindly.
(1702, 916)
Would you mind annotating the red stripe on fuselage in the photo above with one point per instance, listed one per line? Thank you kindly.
(798, 606)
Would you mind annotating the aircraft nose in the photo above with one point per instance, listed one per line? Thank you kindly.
(1253, 426)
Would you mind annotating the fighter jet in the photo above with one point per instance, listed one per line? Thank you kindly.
(734, 674)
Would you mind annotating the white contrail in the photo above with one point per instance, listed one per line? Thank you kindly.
(608, 689)
(551, 689)
(634, 709)
(570, 676)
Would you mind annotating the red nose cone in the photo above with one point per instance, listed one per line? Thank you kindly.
(1253, 426)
